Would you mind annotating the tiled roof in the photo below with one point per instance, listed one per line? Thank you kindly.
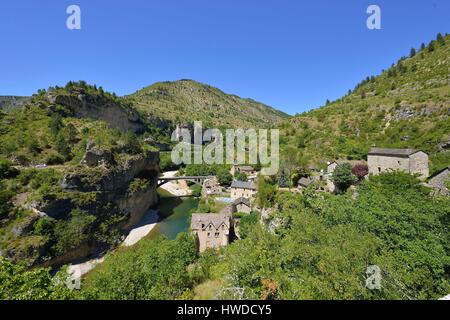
(392, 152)
(304, 182)
(245, 168)
(241, 200)
(202, 220)
(243, 185)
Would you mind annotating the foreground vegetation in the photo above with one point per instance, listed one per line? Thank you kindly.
(314, 246)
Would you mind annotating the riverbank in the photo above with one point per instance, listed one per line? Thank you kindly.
(139, 231)
(168, 219)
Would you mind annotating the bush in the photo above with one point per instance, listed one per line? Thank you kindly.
(196, 190)
(343, 177)
(54, 159)
(240, 176)
(7, 170)
(72, 233)
(224, 177)
(360, 171)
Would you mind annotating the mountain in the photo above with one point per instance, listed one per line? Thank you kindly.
(10, 102)
(185, 101)
(406, 106)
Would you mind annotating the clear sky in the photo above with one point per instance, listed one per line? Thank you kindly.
(290, 54)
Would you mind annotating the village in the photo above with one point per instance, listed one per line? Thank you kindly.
(214, 230)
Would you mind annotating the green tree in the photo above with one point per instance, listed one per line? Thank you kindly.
(240, 176)
(152, 270)
(343, 177)
(224, 177)
(266, 192)
(19, 283)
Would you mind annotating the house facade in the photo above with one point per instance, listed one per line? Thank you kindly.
(212, 230)
(211, 187)
(412, 161)
(242, 205)
(242, 189)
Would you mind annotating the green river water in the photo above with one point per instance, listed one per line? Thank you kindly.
(175, 214)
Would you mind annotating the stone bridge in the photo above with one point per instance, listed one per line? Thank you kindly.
(196, 179)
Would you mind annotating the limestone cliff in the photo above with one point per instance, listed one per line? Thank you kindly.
(97, 107)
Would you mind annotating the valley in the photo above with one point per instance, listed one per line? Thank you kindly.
(362, 181)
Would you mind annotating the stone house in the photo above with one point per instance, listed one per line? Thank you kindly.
(248, 170)
(242, 205)
(304, 182)
(438, 181)
(238, 205)
(211, 187)
(212, 230)
(242, 189)
(409, 160)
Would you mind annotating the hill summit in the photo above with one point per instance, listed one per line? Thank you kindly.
(185, 101)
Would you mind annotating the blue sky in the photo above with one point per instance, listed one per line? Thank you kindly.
(290, 54)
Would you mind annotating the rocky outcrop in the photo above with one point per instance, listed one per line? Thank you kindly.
(99, 107)
(102, 191)
(135, 205)
(104, 179)
(95, 156)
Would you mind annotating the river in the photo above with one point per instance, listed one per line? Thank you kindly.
(174, 217)
(175, 214)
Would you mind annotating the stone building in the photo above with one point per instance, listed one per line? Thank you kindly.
(212, 230)
(242, 189)
(211, 187)
(238, 205)
(248, 170)
(304, 182)
(438, 181)
(409, 160)
(242, 205)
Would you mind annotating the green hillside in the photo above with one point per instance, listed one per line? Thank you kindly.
(185, 101)
(407, 105)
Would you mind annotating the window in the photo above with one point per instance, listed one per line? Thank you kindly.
(217, 234)
(209, 234)
(379, 169)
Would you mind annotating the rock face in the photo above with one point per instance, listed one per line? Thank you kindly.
(110, 180)
(96, 156)
(113, 195)
(99, 108)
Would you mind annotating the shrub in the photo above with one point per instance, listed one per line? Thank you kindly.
(240, 176)
(224, 177)
(343, 177)
(360, 171)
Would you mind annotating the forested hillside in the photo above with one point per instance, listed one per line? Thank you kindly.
(407, 105)
(186, 101)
